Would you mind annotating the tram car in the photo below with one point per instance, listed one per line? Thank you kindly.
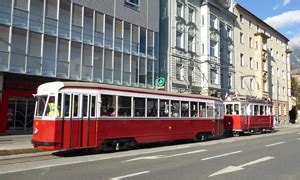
(75, 115)
(247, 116)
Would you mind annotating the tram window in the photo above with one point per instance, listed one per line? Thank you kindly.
(58, 112)
(41, 102)
(75, 105)
(229, 109)
(222, 111)
(85, 105)
(164, 108)
(139, 107)
(236, 109)
(243, 109)
(250, 110)
(66, 105)
(217, 110)
(124, 106)
(202, 109)
(194, 109)
(93, 106)
(50, 106)
(261, 112)
(184, 109)
(255, 109)
(210, 110)
(152, 107)
(108, 105)
(175, 108)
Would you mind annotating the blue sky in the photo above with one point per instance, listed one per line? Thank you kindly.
(283, 15)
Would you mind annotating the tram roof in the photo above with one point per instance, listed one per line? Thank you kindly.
(53, 87)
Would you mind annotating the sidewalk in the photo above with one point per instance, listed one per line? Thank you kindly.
(16, 144)
(21, 144)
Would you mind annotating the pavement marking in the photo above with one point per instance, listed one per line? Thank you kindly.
(130, 175)
(221, 155)
(4, 169)
(144, 158)
(230, 169)
(182, 154)
(274, 144)
(163, 156)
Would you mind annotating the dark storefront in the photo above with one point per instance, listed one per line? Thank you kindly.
(17, 107)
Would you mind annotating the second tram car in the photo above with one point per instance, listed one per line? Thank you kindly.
(244, 115)
(74, 115)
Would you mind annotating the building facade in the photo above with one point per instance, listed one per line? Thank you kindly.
(197, 46)
(262, 62)
(114, 42)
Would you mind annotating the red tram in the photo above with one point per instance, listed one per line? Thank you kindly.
(74, 115)
(244, 115)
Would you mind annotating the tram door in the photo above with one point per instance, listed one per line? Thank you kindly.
(88, 121)
(244, 120)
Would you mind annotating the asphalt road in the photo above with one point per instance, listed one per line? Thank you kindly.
(267, 156)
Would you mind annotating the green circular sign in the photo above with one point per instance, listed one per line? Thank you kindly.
(161, 81)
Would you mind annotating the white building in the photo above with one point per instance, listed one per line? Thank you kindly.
(197, 46)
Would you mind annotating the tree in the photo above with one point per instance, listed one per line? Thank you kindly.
(296, 91)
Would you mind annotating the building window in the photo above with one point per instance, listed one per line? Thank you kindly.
(256, 44)
(242, 83)
(213, 48)
(283, 89)
(251, 84)
(241, 38)
(242, 60)
(265, 85)
(229, 32)
(213, 21)
(202, 20)
(251, 63)
(283, 75)
(229, 82)
(271, 52)
(191, 44)
(191, 15)
(179, 41)
(257, 66)
(135, 4)
(241, 18)
(230, 57)
(250, 24)
(179, 9)
(250, 42)
(213, 76)
(179, 72)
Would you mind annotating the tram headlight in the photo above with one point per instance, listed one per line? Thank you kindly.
(35, 130)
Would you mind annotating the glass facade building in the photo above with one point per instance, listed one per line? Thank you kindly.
(112, 42)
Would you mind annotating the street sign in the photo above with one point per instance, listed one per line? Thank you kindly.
(160, 82)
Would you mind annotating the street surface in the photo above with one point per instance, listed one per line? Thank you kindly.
(272, 156)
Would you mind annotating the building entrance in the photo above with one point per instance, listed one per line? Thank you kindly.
(20, 114)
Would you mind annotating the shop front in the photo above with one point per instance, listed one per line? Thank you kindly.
(18, 103)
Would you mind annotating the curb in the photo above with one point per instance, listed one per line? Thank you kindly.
(19, 151)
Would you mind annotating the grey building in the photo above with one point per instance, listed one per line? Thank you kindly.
(104, 41)
(197, 46)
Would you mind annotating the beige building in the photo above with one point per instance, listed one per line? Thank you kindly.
(262, 62)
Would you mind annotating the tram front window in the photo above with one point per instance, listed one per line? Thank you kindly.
(41, 103)
(50, 109)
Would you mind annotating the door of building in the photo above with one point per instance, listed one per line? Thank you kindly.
(20, 114)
